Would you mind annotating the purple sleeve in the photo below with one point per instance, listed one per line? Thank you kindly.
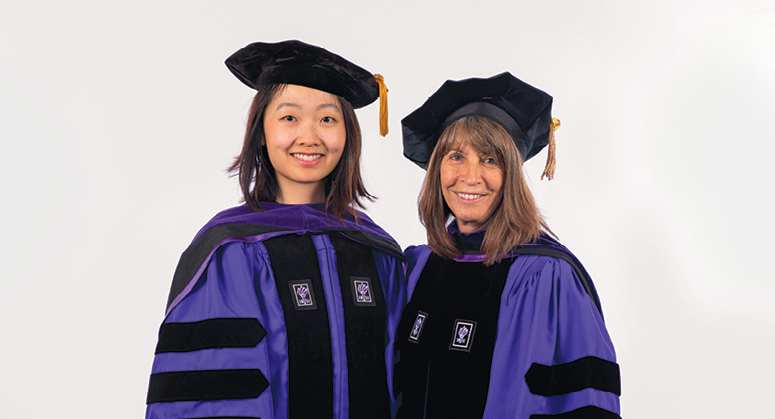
(546, 318)
(391, 271)
(234, 275)
(416, 257)
(239, 284)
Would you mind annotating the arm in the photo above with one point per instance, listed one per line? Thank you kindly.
(553, 354)
(212, 356)
(391, 271)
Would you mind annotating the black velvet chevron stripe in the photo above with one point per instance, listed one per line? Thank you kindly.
(210, 333)
(310, 370)
(587, 372)
(364, 330)
(586, 412)
(206, 385)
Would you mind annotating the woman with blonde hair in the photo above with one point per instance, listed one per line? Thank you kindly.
(503, 321)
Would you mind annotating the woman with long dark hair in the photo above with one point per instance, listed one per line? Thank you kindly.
(284, 307)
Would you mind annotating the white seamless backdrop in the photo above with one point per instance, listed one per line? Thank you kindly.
(117, 120)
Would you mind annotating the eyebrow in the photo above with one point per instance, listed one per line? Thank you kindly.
(328, 105)
(296, 105)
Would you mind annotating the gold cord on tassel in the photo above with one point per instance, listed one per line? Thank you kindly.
(383, 106)
(551, 157)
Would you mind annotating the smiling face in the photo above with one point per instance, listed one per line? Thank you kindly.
(471, 184)
(305, 138)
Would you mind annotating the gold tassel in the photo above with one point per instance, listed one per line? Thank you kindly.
(551, 157)
(383, 106)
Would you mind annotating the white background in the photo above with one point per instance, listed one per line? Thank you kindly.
(117, 121)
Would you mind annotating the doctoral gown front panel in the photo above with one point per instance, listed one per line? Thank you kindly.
(546, 320)
(238, 282)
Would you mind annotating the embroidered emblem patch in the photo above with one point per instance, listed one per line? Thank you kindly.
(362, 292)
(463, 336)
(419, 322)
(303, 297)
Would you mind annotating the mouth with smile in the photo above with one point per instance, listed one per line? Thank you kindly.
(307, 159)
(469, 197)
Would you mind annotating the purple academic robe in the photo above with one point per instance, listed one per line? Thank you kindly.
(524, 338)
(286, 313)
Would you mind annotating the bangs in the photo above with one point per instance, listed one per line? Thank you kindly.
(483, 135)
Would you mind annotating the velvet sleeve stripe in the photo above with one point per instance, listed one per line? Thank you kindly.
(209, 334)
(587, 372)
(206, 385)
(586, 412)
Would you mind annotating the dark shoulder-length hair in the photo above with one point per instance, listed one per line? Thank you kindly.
(344, 186)
(517, 219)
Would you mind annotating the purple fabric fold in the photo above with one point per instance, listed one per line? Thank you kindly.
(303, 218)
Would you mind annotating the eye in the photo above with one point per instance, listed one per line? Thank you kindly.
(455, 157)
(289, 118)
(327, 119)
(489, 160)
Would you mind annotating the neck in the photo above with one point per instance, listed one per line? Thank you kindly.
(301, 193)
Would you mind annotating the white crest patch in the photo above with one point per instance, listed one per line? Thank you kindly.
(302, 294)
(463, 335)
(419, 323)
(362, 291)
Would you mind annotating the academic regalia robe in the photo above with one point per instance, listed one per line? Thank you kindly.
(286, 313)
(523, 338)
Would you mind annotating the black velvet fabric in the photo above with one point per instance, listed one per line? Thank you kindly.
(587, 372)
(209, 334)
(295, 62)
(206, 385)
(365, 330)
(434, 377)
(586, 412)
(526, 105)
(310, 372)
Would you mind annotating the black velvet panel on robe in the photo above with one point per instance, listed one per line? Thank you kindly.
(444, 369)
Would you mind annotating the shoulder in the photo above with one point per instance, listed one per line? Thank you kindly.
(549, 260)
(549, 250)
(225, 216)
(360, 228)
(415, 254)
(416, 258)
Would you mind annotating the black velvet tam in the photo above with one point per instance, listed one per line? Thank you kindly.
(294, 62)
(524, 111)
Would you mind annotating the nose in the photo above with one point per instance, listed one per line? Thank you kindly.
(308, 135)
(471, 174)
